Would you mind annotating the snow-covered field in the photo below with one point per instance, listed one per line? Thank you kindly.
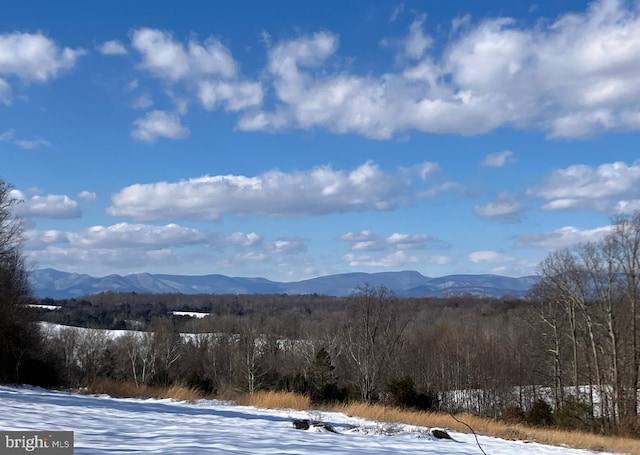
(104, 425)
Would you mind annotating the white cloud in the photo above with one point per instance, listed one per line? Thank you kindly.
(627, 206)
(370, 241)
(34, 57)
(243, 239)
(142, 102)
(47, 206)
(417, 42)
(112, 47)
(138, 247)
(390, 260)
(604, 188)
(125, 235)
(287, 245)
(5, 92)
(498, 159)
(206, 68)
(235, 95)
(31, 144)
(25, 144)
(574, 76)
(317, 191)
(396, 12)
(565, 237)
(441, 188)
(157, 124)
(505, 207)
(88, 196)
(167, 58)
(365, 241)
(242, 259)
(489, 256)
(411, 241)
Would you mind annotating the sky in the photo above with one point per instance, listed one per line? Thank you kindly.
(290, 139)
(103, 425)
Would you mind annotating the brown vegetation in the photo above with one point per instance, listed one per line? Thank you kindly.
(130, 390)
(482, 426)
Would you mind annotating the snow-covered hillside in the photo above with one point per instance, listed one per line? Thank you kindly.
(105, 425)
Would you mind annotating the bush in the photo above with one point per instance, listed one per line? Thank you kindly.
(513, 414)
(203, 384)
(629, 427)
(540, 414)
(403, 393)
(574, 415)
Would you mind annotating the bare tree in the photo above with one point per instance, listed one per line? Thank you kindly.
(373, 336)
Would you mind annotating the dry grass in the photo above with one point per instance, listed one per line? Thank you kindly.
(275, 400)
(489, 427)
(129, 390)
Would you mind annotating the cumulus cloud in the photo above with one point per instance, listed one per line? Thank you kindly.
(34, 57)
(243, 239)
(417, 42)
(580, 187)
(112, 47)
(157, 124)
(505, 207)
(287, 245)
(498, 159)
(489, 256)
(565, 237)
(573, 77)
(121, 235)
(88, 196)
(206, 68)
(317, 191)
(167, 58)
(370, 241)
(46, 206)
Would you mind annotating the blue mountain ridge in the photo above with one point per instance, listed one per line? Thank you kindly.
(56, 284)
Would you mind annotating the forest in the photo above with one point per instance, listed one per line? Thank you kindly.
(567, 355)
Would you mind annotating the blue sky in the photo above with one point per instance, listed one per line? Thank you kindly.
(296, 139)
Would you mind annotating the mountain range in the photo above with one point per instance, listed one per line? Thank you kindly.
(56, 284)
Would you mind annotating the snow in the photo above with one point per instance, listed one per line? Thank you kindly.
(104, 425)
(191, 314)
(45, 307)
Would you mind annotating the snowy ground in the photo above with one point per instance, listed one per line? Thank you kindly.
(104, 425)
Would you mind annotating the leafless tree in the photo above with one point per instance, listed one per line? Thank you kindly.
(374, 336)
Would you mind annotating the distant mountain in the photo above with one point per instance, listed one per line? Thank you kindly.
(56, 284)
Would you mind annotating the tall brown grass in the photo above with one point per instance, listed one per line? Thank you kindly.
(275, 400)
(130, 390)
(482, 426)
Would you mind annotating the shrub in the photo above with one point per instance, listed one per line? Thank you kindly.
(540, 414)
(403, 393)
(201, 383)
(629, 427)
(513, 414)
(574, 415)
